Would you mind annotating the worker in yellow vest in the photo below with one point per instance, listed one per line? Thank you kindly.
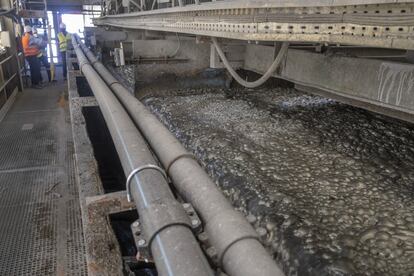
(31, 51)
(63, 37)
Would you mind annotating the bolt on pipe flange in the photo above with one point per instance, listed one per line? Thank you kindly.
(143, 251)
(227, 233)
(163, 216)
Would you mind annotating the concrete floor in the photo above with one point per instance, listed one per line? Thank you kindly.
(40, 229)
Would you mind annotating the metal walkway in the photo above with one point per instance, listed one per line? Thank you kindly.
(40, 227)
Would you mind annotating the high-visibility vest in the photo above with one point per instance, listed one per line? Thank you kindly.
(63, 41)
(27, 49)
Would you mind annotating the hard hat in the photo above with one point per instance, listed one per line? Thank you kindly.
(27, 29)
(62, 25)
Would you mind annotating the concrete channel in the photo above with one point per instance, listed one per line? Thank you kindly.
(321, 182)
(327, 186)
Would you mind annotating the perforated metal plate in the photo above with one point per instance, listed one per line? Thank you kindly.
(388, 25)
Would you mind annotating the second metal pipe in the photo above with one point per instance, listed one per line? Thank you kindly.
(164, 220)
(239, 250)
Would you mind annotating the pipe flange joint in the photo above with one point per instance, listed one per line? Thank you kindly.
(140, 169)
(94, 61)
(161, 215)
(112, 83)
(184, 155)
(228, 228)
(82, 63)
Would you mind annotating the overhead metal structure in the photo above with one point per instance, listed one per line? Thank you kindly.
(387, 24)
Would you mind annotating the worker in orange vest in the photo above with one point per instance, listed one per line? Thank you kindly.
(31, 51)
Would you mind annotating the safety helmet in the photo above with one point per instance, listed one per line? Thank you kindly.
(27, 29)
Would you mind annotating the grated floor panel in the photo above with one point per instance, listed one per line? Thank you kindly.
(40, 227)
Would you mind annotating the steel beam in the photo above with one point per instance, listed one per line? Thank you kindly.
(386, 24)
(381, 86)
(253, 4)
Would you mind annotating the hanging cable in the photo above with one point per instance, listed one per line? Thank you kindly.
(262, 79)
(178, 47)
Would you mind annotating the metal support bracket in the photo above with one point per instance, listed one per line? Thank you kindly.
(137, 170)
(196, 224)
(144, 237)
(143, 251)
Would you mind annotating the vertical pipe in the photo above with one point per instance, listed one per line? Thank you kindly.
(56, 30)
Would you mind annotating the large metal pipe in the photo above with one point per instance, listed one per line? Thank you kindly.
(165, 223)
(239, 250)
